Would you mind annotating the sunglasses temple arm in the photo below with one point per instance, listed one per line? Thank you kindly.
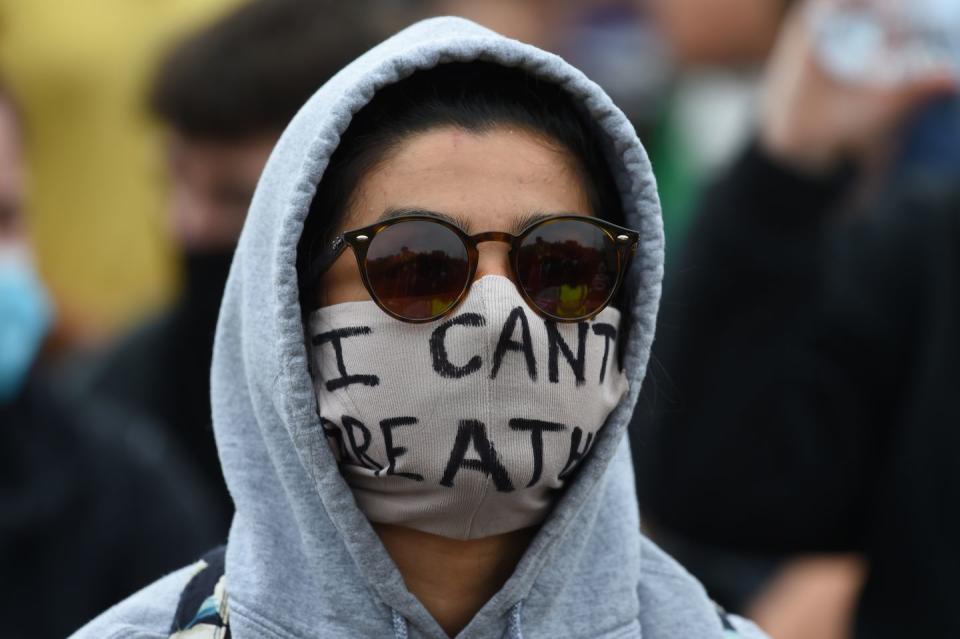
(627, 254)
(329, 255)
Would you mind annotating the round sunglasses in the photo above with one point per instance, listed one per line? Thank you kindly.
(418, 268)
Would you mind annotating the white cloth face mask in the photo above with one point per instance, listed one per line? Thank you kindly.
(468, 426)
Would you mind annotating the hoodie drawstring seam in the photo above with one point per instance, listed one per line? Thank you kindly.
(399, 626)
(514, 624)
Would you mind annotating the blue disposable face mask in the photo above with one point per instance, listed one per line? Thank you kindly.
(25, 318)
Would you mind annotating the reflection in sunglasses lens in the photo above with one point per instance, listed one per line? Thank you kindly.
(568, 267)
(417, 269)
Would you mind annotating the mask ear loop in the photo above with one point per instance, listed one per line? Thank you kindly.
(624, 299)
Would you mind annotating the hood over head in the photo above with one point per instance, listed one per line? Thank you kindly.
(302, 560)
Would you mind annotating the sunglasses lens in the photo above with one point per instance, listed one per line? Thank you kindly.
(417, 269)
(568, 268)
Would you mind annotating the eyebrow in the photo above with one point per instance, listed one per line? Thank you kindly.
(518, 226)
(459, 222)
(524, 221)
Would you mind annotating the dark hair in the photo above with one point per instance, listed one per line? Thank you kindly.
(251, 71)
(474, 96)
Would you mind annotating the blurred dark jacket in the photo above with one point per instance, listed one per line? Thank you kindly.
(161, 370)
(91, 510)
(803, 394)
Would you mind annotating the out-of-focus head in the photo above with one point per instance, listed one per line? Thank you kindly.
(25, 310)
(227, 92)
(13, 176)
(719, 32)
(532, 21)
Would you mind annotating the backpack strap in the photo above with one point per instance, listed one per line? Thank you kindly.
(203, 601)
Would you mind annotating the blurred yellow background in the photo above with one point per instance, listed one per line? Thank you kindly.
(81, 70)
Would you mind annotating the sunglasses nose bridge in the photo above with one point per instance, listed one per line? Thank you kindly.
(493, 262)
(492, 236)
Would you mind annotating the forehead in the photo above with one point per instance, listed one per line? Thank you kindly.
(487, 179)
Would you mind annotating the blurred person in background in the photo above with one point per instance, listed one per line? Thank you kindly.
(711, 33)
(80, 72)
(89, 511)
(796, 446)
(224, 95)
(713, 52)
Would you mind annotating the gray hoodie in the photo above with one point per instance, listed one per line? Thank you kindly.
(302, 561)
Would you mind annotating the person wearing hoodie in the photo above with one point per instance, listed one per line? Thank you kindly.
(431, 341)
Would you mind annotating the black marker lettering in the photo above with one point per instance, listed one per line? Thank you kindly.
(609, 334)
(471, 430)
(393, 452)
(334, 338)
(360, 450)
(441, 362)
(505, 343)
(556, 344)
(536, 428)
(575, 453)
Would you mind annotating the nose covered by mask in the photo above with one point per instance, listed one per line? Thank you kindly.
(468, 426)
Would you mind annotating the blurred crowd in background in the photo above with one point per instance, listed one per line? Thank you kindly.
(797, 436)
